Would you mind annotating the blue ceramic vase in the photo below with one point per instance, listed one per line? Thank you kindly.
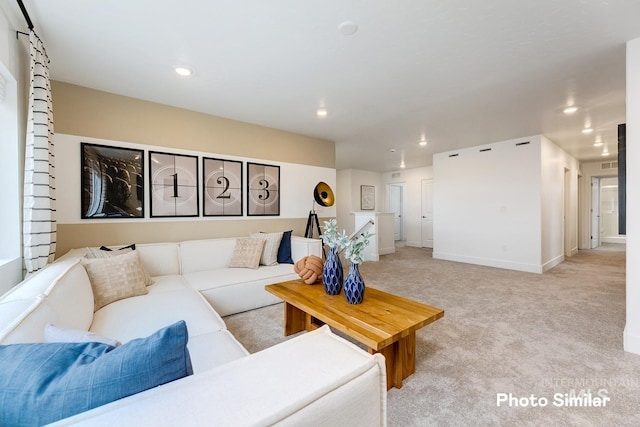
(332, 273)
(354, 285)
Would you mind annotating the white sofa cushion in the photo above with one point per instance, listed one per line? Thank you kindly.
(213, 349)
(66, 301)
(273, 386)
(205, 255)
(140, 316)
(160, 259)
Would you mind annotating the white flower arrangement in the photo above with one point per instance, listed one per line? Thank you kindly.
(355, 247)
(332, 237)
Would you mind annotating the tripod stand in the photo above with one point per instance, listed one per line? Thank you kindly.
(311, 221)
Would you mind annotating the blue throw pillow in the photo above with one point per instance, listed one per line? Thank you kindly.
(284, 251)
(44, 382)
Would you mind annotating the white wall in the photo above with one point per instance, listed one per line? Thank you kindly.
(487, 205)
(412, 178)
(348, 195)
(556, 167)
(296, 190)
(632, 327)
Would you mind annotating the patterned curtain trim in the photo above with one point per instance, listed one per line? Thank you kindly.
(39, 209)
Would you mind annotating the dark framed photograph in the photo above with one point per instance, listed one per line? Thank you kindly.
(173, 182)
(263, 189)
(367, 197)
(221, 187)
(112, 182)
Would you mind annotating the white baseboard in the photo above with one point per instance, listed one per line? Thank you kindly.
(386, 251)
(498, 263)
(550, 264)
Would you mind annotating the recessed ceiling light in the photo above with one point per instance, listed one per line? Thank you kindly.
(348, 28)
(605, 153)
(321, 112)
(402, 166)
(392, 150)
(181, 71)
(570, 110)
(598, 144)
(587, 130)
(423, 143)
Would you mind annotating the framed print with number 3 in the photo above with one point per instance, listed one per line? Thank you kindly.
(263, 190)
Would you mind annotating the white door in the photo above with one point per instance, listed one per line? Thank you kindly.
(395, 206)
(595, 212)
(427, 213)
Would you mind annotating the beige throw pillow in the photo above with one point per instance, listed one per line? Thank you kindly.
(99, 253)
(247, 253)
(115, 278)
(271, 246)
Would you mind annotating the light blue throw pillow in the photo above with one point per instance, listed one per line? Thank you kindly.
(43, 382)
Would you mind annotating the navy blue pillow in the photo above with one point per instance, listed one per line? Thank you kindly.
(284, 251)
(44, 382)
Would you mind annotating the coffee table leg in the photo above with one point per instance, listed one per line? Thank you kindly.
(294, 319)
(400, 360)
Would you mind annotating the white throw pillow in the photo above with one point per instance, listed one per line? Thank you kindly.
(115, 278)
(53, 333)
(247, 253)
(271, 246)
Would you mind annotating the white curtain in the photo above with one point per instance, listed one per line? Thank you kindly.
(39, 216)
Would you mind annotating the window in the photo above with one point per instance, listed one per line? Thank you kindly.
(10, 183)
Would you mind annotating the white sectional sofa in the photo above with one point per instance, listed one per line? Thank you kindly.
(316, 378)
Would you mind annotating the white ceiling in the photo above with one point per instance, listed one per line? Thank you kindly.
(463, 72)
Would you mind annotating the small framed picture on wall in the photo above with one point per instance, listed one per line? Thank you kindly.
(367, 197)
(222, 187)
(173, 181)
(263, 189)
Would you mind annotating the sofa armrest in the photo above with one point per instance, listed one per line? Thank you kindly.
(303, 246)
(314, 378)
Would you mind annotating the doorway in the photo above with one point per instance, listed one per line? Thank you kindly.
(396, 206)
(604, 211)
(426, 223)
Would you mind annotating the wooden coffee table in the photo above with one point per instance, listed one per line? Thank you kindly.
(385, 323)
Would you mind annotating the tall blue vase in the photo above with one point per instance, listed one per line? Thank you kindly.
(332, 273)
(354, 285)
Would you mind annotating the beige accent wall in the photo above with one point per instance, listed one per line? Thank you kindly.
(87, 112)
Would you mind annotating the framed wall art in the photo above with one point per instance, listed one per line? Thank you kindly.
(112, 183)
(221, 187)
(173, 183)
(263, 189)
(367, 197)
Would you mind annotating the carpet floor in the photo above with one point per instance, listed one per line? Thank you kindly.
(520, 337)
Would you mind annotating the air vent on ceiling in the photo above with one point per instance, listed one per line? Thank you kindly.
(484, 150)
(608, 165)
(454, 155)
(396, 175)
(522, 143)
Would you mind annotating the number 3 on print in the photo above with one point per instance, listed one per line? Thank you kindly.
(263, 189)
